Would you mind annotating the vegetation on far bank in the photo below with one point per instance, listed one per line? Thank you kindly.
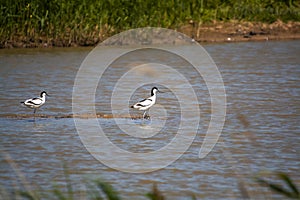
(87, 22)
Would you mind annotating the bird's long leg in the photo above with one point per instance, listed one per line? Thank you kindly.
(34, 113)
(144, 114)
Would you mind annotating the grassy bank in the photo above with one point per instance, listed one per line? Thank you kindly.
(87, 22)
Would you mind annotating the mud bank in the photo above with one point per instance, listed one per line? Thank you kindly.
(64, 116)
(236, 31)
(233, 31)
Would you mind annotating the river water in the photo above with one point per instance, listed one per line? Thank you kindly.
(260, 134)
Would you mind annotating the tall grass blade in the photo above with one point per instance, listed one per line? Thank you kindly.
(292, 191)
(289, 183)
(155, 194)
(108, 190)
(27, 195)
(68, 181)
(59, 194)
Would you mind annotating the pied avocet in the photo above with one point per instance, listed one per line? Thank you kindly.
(36, 102)
(146, 104)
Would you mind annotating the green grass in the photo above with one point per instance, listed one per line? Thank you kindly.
(287, 188)
(86, 22)
(99, 190)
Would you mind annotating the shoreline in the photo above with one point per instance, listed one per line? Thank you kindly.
(216, 32)
(237, 31)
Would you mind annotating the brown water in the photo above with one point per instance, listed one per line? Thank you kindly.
(261, 132)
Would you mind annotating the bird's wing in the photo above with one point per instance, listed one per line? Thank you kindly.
(34, 101)
(144, 103)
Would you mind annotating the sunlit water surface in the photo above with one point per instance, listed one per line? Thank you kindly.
(261, 132)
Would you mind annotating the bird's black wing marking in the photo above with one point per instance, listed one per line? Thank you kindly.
(145, 100)
(141, 105)
(33, 102)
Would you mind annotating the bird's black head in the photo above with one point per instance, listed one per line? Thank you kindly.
(42, 93)
(154, 90)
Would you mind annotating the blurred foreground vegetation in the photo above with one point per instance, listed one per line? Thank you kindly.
(86, 22)
(100, 190)
(282, 184)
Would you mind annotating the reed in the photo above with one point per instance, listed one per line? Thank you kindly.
(102, 190)
(287, 188)
(99, 189)
(86, 22)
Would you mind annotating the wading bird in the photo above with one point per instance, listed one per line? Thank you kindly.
(36, 102)
(146, 104)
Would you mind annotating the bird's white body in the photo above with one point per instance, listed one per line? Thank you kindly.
(36, 102)
(146, 104)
